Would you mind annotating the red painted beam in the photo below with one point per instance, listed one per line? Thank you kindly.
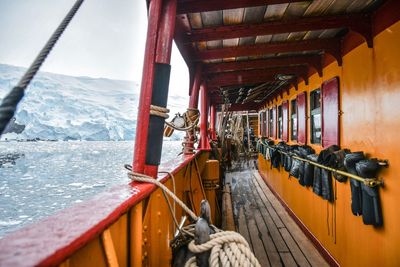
(356, 22)
(204, 143)
(192, 6)
(314, 61)
(146, 89)
(331, 46)
(243, 107)
(194, 92)
(255, 76)
(213, 114)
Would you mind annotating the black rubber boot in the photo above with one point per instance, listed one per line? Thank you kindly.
(350, 161)
(371, 206)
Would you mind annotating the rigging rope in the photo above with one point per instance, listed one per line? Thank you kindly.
(227, 248)
(10, 102)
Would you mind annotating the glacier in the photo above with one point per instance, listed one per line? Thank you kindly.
(62, 107)
(86, 116)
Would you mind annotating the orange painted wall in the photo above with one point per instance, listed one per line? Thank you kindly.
(370, 102)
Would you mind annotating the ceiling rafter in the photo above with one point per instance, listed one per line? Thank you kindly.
(360, 23)
(330, 46)
(314, 61)
(255, 76)
(193, 6)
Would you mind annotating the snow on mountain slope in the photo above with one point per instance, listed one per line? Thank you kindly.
(60, 107)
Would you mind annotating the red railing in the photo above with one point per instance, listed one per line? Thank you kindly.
(52, 240)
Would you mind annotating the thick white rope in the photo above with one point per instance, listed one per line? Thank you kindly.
(228, 248)
(159, 111)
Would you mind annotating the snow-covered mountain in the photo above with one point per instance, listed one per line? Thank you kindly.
(61, 107)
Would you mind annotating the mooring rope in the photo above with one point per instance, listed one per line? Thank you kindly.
(227, 248)
(10, 102)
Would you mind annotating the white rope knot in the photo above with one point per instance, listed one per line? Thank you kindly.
(227, 249)
(159, 111)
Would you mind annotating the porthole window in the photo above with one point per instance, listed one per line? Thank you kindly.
(315, 116)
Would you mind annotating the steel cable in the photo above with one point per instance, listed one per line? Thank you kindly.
(10, 102)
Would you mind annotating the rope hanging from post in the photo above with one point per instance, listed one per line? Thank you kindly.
(10, 102)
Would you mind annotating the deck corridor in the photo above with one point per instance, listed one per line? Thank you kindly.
(275, 238)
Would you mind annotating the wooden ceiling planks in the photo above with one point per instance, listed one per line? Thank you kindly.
(242, 33)
(191, 6)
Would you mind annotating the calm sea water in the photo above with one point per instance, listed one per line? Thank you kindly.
(39, 178)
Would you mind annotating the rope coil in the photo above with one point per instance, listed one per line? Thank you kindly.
(226, 248)
(159, 111)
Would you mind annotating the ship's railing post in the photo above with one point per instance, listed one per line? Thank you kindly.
(204, 142)
(154, 93)
(213, 113)
(193, 104)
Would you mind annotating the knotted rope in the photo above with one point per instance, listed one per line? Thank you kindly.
(227, 248)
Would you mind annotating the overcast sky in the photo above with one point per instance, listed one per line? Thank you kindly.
(106, 39)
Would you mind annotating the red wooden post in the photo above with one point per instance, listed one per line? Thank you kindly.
(213, 113)
(193, 103)
(194, 96)
(204, 143)
(160, 33)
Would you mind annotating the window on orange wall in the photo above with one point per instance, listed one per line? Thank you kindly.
(330, 112)
(274, 130)
(293, 120)
(260, 123)
(302, 118)
(270, 123)
(315, 117)
(280, 122)
(266, 122)
(285, 114)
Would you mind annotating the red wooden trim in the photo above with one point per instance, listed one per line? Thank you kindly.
(204, 143)
(213, 111)
(50, 241)
(330, 112)
(192, 6)
(302, 118)
(321, 249)
(314, 61)
(285, 121)
(331, 46)
(355, 22)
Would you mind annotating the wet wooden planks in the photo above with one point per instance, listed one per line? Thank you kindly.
(275, 238)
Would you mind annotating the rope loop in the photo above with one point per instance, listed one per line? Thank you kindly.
(159, 111)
